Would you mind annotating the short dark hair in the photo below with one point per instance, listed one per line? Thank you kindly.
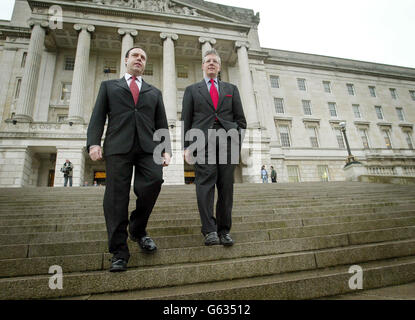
(129, 50)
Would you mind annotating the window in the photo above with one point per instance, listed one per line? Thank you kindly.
(339, 137)
(69, 63)
(312, 133)
(327, 86)
(364, 137)
(409, 140)
(279, 105)
(307, 107)
(393, 93)
(149, 70)
(356, 111)
(400, 113)
(182, 71)
(350, 89)
(379, 112)
(293, 175)
(23, 63)
(18, 85)
(110, 66)
(332, 109)
(323, 173)
(275, 81)
(301, 84)
(387, 137)
(285, 136)
(372, 91)
(412, 93)
(66, 92)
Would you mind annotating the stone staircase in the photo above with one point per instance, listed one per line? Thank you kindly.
(293, 241)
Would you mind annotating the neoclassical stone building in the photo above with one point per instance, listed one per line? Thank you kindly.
(54, 55)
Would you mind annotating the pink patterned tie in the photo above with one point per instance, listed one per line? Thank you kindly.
(214, 94)
(134, 90)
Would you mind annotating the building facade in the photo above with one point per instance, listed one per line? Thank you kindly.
(55, 54)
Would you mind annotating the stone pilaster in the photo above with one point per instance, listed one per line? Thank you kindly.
(169, 77)
(127, 43)
(246, 87)
(26, 102)
(80, 74)
(207, 44)
(6, 68)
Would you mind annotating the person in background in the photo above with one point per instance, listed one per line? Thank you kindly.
(67, 170)
(264, 175)
(273, 175)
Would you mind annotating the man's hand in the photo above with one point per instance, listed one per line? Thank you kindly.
(95, 153)
(187, 155)
(167, 159)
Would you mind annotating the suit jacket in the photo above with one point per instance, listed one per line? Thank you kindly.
(198, 110)
(125, 118)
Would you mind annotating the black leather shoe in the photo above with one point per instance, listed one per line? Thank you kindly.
(147, 244)
(118, 265)
(226, 240)
(212, 239)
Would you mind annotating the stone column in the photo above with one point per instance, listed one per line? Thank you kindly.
(80, 74)
(246, 88)
(169, 77)
(26, 102)
(127, 43)
(207, 44)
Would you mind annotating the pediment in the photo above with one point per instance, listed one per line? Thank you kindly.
(170, 7)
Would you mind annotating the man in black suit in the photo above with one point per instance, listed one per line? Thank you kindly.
(212, 106)
(135, 111)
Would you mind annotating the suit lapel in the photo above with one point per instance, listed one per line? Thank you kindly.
(221, 93)
(205, 93)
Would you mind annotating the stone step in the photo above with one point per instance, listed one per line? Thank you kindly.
(76, 284)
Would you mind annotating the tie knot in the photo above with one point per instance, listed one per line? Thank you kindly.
(133, 78)
(212, 81)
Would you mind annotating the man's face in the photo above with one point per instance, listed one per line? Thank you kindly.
(136, 62)
(211, 66)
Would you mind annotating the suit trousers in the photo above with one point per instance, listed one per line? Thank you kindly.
(148, 179)
(207, 177)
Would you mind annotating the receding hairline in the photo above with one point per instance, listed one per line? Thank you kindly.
(127, 54)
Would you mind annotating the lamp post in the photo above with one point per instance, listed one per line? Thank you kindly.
(350, 159)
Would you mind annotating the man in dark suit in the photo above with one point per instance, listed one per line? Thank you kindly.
(135, 111)
(213, 106)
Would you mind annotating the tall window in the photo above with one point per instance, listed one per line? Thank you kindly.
(400, 114)
(307, 107)
(182, 71)
(66, 92)
(409, 140)
(323, 173)
(285, 136)
(387, 137)
(379, 112)
(69, 63)
(412, 93)
(372, 91)
(17, 90)
(149, 70)
(293, 174)
(110, 66)
(339, 137)
(23, 63)
(356, 111)
(301, 84)
(350, 89)
(279, 105)
(332, 109)
(364, 137)
(327, 86)
(312, 133)
(393, 93)
(275, 81)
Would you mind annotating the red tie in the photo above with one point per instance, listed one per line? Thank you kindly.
(214, 94)
(134, 90)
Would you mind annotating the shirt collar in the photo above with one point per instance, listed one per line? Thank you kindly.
(128, 77)
(207, 80)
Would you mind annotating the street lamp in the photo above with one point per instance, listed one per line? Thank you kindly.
(350, 159)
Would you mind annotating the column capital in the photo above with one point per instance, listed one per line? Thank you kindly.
(240, 44)
(132, 32)
(165, 35)
(86, 27)
(203, 40)
(40, 22)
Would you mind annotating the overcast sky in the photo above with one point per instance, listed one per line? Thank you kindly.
(369, 30)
